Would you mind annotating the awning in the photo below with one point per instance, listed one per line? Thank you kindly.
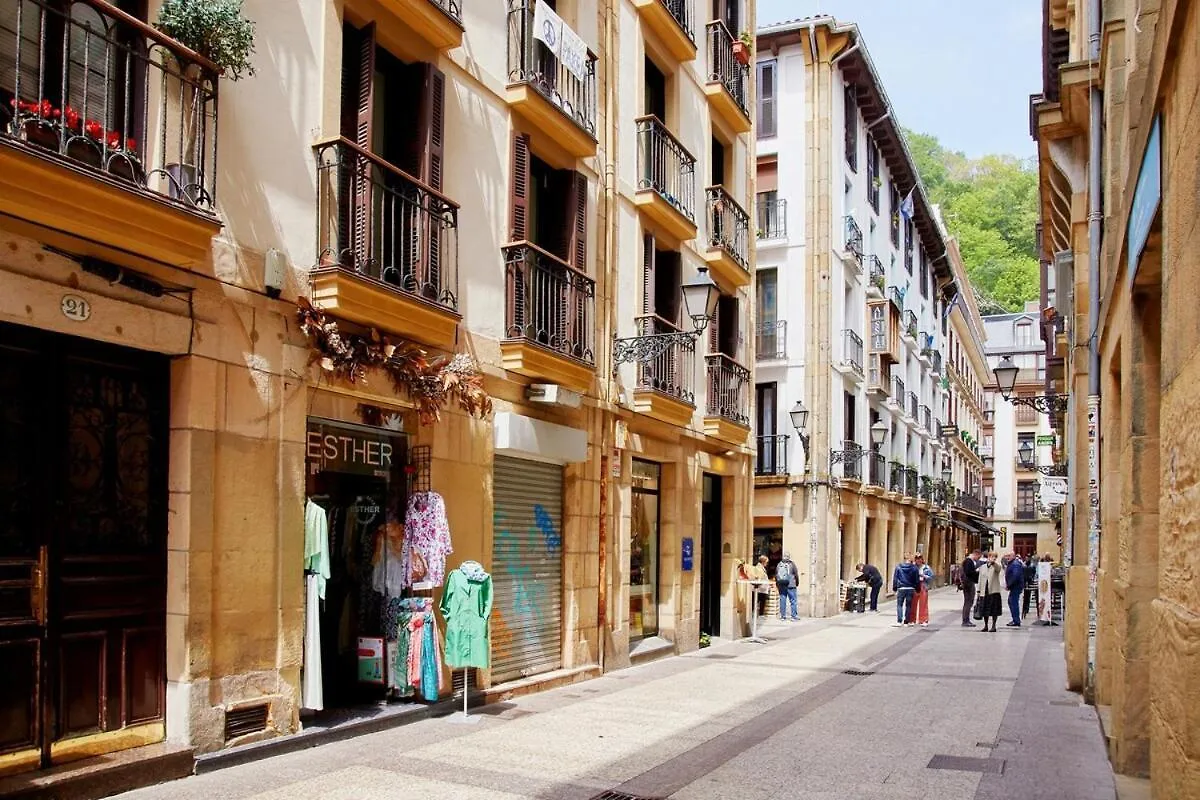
(971, 526)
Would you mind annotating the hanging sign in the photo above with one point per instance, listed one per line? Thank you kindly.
(1146, 196)
(1045, 439)
(355, 450)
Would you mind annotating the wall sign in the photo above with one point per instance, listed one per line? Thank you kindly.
(687, 551)
(75, 308)
(356, 450)
(1146, 196)
(1045, 439)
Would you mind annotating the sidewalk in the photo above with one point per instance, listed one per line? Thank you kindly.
(847, 707)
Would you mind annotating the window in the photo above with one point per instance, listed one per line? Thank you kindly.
(1026, 500)
(772, 221)
(643, 551)
(766, 99)
(655, 97)
(924, 274)
(851, 109)
(894, 210)
(874, 180)
(766, 284)
(723, 332)
(1024, 333)
(910, 236)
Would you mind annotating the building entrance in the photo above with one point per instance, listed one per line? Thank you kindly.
(710, 557)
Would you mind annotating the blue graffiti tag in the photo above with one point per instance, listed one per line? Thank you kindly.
(546, 526)
(525, 589)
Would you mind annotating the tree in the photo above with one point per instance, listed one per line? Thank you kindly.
(990, 205)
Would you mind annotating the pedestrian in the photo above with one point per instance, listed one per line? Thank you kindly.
(919, 612)
(991, 578)
(970, 577)
(905, 581)
(1014, 577)
(1030, 583)
(760, 576)
(870, 575)
(786, 580)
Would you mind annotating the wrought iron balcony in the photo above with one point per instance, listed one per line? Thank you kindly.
(770, 340)
(926, 417)
(1026, 513)
(896, 472)
(898, 391)
(854, 239)
(673, 371)
(911, 482)
(772, 218)
(912, 408)
(728, 225)
(851, 459)
(896, 295)
(969, 502)
(571, 88)
(852, 350)
(910, 324)
(724, 68)
(772, 455)
(876, 277)
(927, 488)
(935, 359)
(549, 302)
(728, 389)
(665, 166)
(375, 220)
(877, 470)
(89, 85)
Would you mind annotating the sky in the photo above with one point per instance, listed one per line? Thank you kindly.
(961, 70)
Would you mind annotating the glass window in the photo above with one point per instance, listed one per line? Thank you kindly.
(766, 99)
(767, 284)
(851, 108)
(643, 551)
(1024, 334)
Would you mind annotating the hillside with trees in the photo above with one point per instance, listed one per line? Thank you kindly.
(990, 205)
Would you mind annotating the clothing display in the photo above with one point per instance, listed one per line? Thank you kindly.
(312, 694)
(466, 606)
(426, 540)
(414, 648)
(316, 544)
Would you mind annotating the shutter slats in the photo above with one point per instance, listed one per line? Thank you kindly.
(519, 185)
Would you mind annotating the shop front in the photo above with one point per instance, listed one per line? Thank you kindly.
(644, 549)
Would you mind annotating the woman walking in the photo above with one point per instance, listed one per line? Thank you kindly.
(990, 586)
(920, 608)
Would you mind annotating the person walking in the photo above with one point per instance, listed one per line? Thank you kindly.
(786, 580)
(759, 575)
(969, 569)
(919, 614)
(990, 586)
(870, 575)
(906, 579)
(1014, 577)
(1030, 584)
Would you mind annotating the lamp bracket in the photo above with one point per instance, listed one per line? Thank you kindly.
(1042, 403)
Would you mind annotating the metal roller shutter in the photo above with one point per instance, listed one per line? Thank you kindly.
(526, 623)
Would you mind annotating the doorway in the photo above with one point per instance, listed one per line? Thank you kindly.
(710, 556)
(83, 485)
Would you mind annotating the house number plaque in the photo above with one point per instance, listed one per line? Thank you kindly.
(76, 308)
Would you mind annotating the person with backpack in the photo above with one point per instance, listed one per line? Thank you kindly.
(869, 574)
(906, 579)
(786, 580)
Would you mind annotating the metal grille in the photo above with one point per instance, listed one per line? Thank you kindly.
(248, 719)
(526, 620)
(612, 795)
(994, 766)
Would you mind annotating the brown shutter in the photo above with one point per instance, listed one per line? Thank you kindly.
(768, 176)
(519, 189)
(714, 326)
(648, 275)
(366, 87)
(431, 124)
(425, 220)
(365, 101)
(576, 293)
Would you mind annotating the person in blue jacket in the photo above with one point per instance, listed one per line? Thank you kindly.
(1014, 577)
(906, 579)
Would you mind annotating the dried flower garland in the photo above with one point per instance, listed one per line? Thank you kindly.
(432, 382)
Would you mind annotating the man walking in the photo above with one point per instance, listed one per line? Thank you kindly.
(870, 575)
(786, 580)
(1014, 576)
(906, 579)
(970, 578)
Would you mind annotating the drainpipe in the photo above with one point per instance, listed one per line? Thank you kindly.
(812, 480)
(1093, 400)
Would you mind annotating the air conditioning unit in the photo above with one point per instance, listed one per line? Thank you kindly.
(553, 394)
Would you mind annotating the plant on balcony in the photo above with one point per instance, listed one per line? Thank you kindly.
(433, 382)
(741, 48)
(877, 181)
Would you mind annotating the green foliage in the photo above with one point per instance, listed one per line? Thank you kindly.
(215, 29)
(990, 205)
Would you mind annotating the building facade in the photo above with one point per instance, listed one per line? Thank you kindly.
(853, 287)
(1019, 445)
(210, 331)
(1117, 179)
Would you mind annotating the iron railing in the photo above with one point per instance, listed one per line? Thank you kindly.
(898, 390)
(665, 166)
(770, 339)
(927, 488)
(723, 67)
(771, 458)
(896, 473)
(852, 460)
(968, 502)
(673, 371)
(531, 62)
(728, 225)
(549, 302)
(854, 239)
(935, 359)
(911, 482)
(926, 418)
(1026, 513)
(382, 223)
(87, 83)
(683, 14)
(878, 470)
(896, 295)
(852, 350)
(728, 389)
(450, 8)
(912, 406)
(772, 218)
(876, 277)
(910, 324)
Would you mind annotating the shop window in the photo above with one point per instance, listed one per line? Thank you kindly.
(644, 551)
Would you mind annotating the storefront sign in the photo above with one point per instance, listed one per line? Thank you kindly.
(356, 450)
(1146, 196)
(687, 550)
(1045, 439)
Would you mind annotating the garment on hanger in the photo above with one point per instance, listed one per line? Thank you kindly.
(388, 575)
(415, 649)
(316, 564)
(426, 540)
(316, 544)
(466, 606)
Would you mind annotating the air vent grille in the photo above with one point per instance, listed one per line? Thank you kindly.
(247, 719)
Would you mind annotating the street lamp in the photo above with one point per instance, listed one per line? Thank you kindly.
(1006, 378)
(853, 456)
(799, 416)
(878, 434)
(700, 295)
(1025, 453)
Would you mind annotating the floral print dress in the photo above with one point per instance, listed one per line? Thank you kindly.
(426, 540)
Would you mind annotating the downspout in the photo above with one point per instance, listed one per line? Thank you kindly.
(1095, 216)
(812, 480)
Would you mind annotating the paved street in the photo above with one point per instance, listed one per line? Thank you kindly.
(844, 708)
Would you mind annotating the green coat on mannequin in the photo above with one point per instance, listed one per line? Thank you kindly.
(466, 606)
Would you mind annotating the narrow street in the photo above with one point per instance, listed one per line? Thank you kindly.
(848, 707)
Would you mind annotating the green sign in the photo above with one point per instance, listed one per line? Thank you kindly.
(1046, 439)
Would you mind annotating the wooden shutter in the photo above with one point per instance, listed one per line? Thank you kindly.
(424, 219)
(648, 253)
(365, 85)
(576, 294)
(714, 326)
(364, 98)
(519, 189)
(431, 124)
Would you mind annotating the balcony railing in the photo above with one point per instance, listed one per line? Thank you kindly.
(969, 502)
(770, 340)
(898, 391)
(877, 470)
(672, 372)
(681, 11)
(772, 455)
(728, 389)
(87, 83)
(666, 166)
(935, 358)
(570, 87)
(1026, 513)
(897, 474)
(854, 239)
(896, 295)
(926, 418)
(772, 218)
(911, 482)
(927, 488)
(913, 408)
(852, 350)
(728, 225)
(852, 462)
(380, 222)
(549, 302)
(876, 276)
(724, 67)
(910, 324)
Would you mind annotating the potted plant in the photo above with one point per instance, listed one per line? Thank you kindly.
(741, 48)
(216, 30)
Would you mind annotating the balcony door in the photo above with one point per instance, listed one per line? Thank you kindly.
(728, 12)
(766, 414)
(766, 286)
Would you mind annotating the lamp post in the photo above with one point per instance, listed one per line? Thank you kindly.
(878, 434)
(1025, 454)
(1006, 378)
(799, 417)
(700, 296)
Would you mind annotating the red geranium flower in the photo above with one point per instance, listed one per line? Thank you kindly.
(94, 129)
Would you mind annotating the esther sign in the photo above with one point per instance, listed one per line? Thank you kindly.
(75, 308)
(336, 449)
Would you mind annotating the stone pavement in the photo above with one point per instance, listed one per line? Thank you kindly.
(844, 708)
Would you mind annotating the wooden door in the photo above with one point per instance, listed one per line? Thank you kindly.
(83, 440)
